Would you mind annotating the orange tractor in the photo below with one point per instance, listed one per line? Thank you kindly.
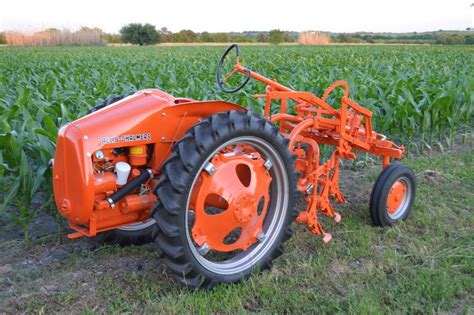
(212, 184)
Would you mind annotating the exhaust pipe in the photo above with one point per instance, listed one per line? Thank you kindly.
(125, 190)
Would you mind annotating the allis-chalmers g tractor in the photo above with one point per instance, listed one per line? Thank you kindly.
(212, 184)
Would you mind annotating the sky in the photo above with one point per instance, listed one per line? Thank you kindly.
(240, 15)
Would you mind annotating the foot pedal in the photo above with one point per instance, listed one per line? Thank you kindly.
(327, 237)
(337, 217)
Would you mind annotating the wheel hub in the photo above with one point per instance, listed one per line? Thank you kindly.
(227, 200)
(246, 209)
(396, 196)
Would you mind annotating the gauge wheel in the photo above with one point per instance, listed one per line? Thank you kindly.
(226, 200)
(393, 195)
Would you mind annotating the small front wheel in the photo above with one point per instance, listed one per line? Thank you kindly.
(393, 195)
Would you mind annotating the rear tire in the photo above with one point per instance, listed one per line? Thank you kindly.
(180, 175)
(393, 195)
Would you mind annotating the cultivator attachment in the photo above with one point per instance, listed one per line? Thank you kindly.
(348, 129)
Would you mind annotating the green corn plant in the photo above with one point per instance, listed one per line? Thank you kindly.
(422, 96)
(24, 183)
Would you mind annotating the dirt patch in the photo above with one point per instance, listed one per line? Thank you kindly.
(430, 176)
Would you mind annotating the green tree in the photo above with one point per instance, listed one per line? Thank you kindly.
(140, 34)
(276, 37)
(206, 37)
(185, 36)
(221, 38)
(449, 39)
(165, 34)
(262, 38)
(112, 38)
(3, 41)
(348, 38)
(469, 39)
(287, 38)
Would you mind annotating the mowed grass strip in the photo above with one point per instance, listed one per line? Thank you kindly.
(423, 265)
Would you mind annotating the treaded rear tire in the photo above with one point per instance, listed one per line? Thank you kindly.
(176, 181)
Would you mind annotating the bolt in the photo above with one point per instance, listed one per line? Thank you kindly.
(204, 249)
(261, 237)
(99, 155)
(268, 164)
(163, 114)
(210, 168)
(309, 189)
(111, 202)
(191, 215)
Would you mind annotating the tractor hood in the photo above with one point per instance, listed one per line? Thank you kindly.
(147, 117)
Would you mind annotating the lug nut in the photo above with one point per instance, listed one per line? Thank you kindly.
(210, 168)
(268, 164)
(204, 249)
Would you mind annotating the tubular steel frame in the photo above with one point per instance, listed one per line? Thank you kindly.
(348, 129)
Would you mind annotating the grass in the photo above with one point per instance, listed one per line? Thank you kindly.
(423, 265)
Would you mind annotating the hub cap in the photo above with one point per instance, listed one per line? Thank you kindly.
(228, 200)
(398, 198)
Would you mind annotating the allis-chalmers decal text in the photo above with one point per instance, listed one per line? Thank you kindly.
(126, 138)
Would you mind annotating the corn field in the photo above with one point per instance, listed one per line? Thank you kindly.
(421, 96)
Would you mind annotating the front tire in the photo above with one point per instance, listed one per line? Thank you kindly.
(107, 102)
(232, 174)
(139, 233)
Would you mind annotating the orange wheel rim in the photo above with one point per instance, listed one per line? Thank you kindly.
(234, 198)
(396, 196)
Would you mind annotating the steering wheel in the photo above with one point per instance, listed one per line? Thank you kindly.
(220, 81)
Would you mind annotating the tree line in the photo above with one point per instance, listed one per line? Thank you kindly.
(135, 33)
(147, 34)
